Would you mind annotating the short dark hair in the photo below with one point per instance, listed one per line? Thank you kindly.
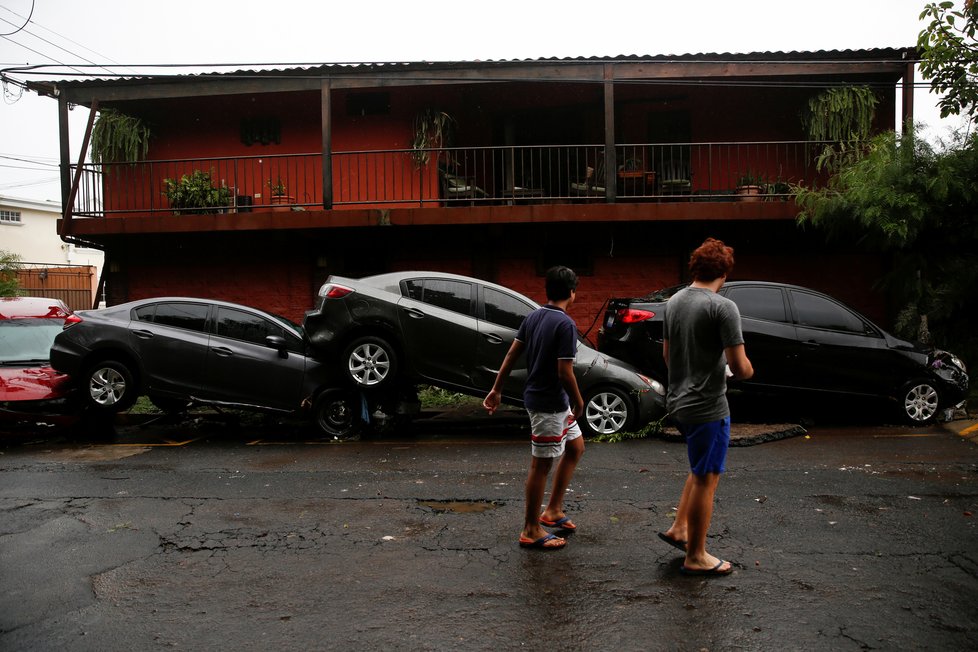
(561, 281)
(711, 260)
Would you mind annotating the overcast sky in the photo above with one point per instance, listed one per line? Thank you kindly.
(124, 33)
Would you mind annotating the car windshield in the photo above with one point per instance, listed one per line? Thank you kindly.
(27, 340)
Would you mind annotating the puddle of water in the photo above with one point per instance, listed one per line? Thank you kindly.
(97, 454)
(459, 506)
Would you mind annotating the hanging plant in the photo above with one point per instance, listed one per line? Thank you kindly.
(432, 129)
(117, 137)
(843, 118)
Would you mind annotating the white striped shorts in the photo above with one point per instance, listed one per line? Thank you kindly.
(550, 430)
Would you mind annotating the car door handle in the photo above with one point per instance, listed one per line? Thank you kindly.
(415, 313)
(143, 334)
(223, 351)
(492, 339)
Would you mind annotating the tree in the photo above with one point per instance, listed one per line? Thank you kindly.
(9, 264)
(949, 56)
(916, 205)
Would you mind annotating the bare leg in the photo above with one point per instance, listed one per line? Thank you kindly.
(680, 525)
(699, 512)
(536, 486)
(573, 452)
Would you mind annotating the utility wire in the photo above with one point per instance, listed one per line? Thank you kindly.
(25, 21)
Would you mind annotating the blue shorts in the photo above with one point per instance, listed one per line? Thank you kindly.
(706, 446)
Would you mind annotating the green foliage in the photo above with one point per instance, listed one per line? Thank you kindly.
(843, 119)
(278, 188)
(435, 397)
(196, 194)
(9, 264)
(651, 428)
(751, 178)
(918, 207)
(949, 56)
(117, 137)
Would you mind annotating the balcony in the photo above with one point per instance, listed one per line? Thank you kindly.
(453, 177)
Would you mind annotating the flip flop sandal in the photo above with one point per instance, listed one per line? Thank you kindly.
(541, 543)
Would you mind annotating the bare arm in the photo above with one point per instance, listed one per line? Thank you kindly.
(495, 396)
(738, 362)
(565, 372)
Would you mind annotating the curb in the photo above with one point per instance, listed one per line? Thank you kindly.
(739, 436)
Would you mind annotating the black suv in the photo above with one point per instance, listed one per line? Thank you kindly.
(801, 342)
(453, 332)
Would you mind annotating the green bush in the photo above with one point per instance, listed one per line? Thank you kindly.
(196, 194)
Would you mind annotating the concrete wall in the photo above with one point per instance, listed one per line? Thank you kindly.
(35, 238)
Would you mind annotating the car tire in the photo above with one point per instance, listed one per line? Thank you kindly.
(110, 387)
(919, 402)
(337, 414)
(607, 411)
(370, 363)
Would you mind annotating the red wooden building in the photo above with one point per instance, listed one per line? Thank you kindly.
(615, 167)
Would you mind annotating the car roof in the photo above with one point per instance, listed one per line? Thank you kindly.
(32, 307)
(391, 280)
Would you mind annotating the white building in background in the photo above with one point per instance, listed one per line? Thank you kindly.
(29, 228)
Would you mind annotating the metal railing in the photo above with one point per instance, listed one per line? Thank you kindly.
(450, 176)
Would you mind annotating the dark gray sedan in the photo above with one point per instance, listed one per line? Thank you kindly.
(453, 332)
(180, 351)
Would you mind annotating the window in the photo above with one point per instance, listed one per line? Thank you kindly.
(759, 303)
(505, 310)
(11, 217)
(819, 312)
(241, 325)
(191, 316)
(450, 295)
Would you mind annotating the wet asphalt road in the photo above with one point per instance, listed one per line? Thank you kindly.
(190, 537)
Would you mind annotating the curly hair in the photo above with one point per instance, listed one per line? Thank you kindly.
(711, 260)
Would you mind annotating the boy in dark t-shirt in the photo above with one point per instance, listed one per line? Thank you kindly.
(553, 401)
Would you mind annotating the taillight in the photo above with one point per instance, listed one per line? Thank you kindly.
(334, 291)
(633, 315)
(71, 320)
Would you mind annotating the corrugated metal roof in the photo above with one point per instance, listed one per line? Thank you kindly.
(882, 55)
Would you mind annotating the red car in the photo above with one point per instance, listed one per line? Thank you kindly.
(30, 390)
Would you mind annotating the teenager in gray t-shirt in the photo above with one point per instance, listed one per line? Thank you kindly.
(702, 339)
(699, 325)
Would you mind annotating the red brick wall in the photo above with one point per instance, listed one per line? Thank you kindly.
(282, 273)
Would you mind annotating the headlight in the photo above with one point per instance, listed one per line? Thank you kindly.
(958, 361)
(654, 385)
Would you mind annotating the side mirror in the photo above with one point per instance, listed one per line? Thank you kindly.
(278, 342)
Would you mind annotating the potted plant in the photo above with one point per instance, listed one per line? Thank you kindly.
(280, 198)
(196, 194)
(750, 186)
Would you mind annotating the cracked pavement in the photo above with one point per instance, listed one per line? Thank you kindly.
(858, 538)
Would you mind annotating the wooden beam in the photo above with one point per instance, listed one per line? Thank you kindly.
(326, 107)
(908, 77)
(610, 157)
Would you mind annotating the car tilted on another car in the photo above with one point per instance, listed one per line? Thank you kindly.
(181, 351)
(30, 390)
(802, 342)
(453, 332)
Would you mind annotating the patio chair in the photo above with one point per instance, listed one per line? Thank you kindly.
(456, 187)
(592, 185)
(675, 179)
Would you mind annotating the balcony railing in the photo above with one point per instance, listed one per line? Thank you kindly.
(455, 176)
